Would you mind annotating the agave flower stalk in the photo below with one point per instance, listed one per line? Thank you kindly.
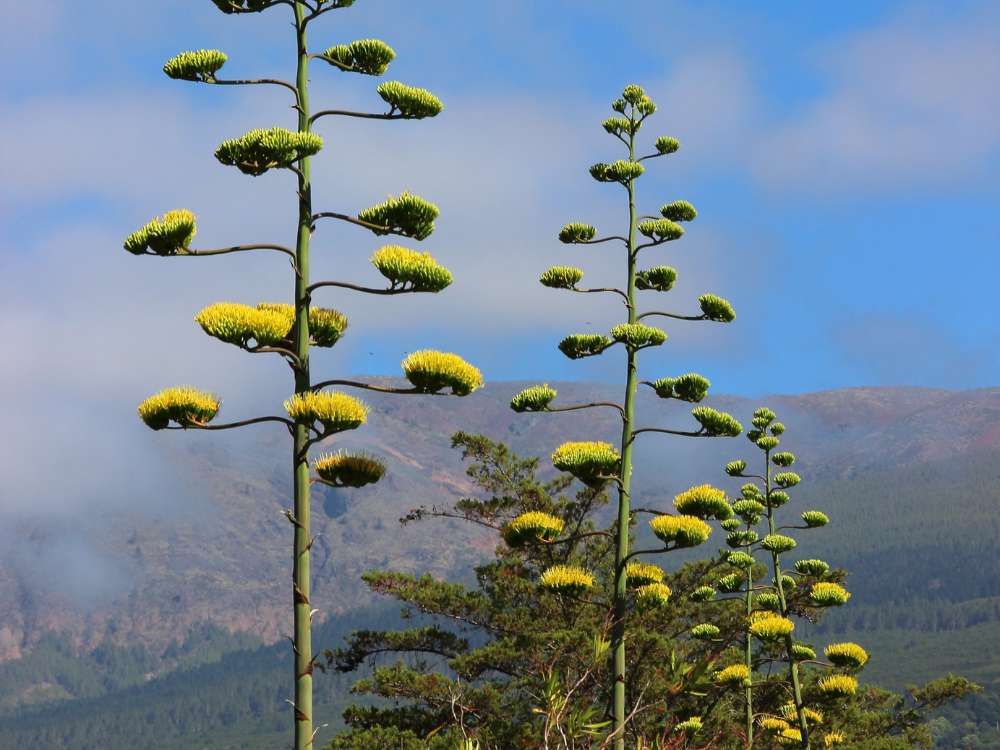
(601, 462)
(769, 612)
(291, 330)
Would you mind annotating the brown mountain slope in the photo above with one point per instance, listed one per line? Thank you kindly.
(224, 557)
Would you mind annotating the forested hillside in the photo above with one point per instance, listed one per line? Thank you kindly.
(910, 479)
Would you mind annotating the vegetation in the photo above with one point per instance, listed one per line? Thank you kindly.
(290, 330)
(599, 463)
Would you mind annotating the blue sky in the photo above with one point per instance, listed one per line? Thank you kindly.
(843, 159)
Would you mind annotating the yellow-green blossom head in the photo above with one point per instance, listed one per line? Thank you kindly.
(768, 626)
(591, 462)
(737, 674)
(349, 469)
(185, 406)
(640, 573)
(846, 655)
(566, 579)
(652, 596)
(170, 234)
(838, 686)
(532, 526)
(704, 501)
(410, 269)
(826, 594)
(431, 371)
(684, 531)
(337, 412)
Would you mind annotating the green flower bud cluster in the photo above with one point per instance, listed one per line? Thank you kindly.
(621, 171)
(787, 479)
(349, 469)
(261, 150)
(690, 387)
(200, 65)
(667, 145)
(705, 632)
(679, 211)
(749, 510)
(812, 568)
(716, 308)
(716, 423)
(656, 279)
(703, 594)
(777, 498)
(336, 412)
(730, 524)
(778, 543)
(783, 459)
(636, 96)
(590, 462)
(535, 398)
(741, 538)
(740, 560)
(803, 652)
(367, 56)
(409, 101)
(581, 345)
(767, 600)
(814, 519)
(730, 583)
(620, 126)
(576, 232)
(243, 6)
(561, 277)
(410, 269)
(432, 371)
(408, 215)
(684, 531)
(661, 230)
(170, 234)
(637, 335)
(184, 406)
(736, 468)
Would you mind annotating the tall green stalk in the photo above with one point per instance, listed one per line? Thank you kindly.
(597, 463)
(314, 414)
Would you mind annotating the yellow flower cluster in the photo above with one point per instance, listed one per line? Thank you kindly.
(168, 235)
(790, 736)
(773, 724)
(403, 267)
(703, 501)
(349, 469)
(640, 573)
(588, 461)
(566, 579)
(848, 655)
(652, 595)
(335, 411)
(430, 371)
(532, 526)
(839, 684)
(812, 716)
(826, 594)
(186, 406)
(768, 626)
(834, 738)
(737, 674)
(685, 531)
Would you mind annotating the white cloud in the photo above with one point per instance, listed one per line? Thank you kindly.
(911, 104)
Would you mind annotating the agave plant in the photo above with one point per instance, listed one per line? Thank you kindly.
(598, 463)
(289, 330)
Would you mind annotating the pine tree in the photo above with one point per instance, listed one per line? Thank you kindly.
(290, 330)
(597, 462)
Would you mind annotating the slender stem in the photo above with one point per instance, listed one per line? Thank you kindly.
(793, 667)
(619, 292)
(624, 487)
(257, 82)
(365, 115)
(625, 241)
(233, 425)
(356, 288)
(352, 220)
(236, 249)
(682, 433)
(671, 315)
(748, 653)
(301, 573)
(577, 407)
(371, 387)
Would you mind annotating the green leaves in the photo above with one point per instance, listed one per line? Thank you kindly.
(657, 279)
(637, 335)
(534, 398)
(581, 345)
(410, 269)
(691, 387)
(185, 406)
(576, 232)
(366, 56)
(661, 230)
(679, 211)
(432, 371)
(561, 277)
(409, 101)
(716, 423)
(348, 469)
(408, 215)
(620, 171)
(170, 235)
(716, 308)
(200, 65)
(261, 150)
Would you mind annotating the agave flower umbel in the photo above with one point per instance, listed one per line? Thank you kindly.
(291, 329)
(596, 463)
